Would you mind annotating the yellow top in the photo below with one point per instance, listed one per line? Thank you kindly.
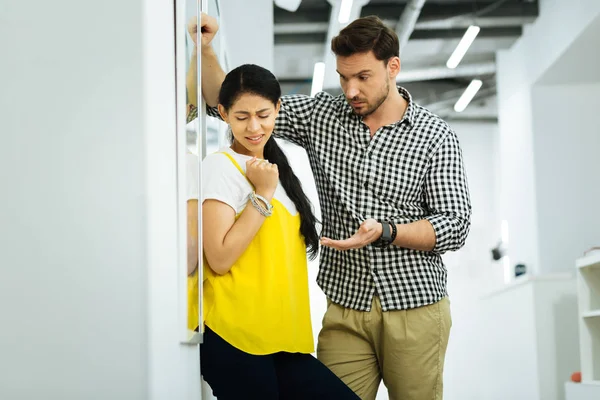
(261, 306)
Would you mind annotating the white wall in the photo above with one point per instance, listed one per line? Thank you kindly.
(471, 270)
(249, 33)
(543, 43)
(85, 313)
(567, 162)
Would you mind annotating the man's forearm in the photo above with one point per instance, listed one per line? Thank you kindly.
(417, 235)
(212, 76)
(191, 81)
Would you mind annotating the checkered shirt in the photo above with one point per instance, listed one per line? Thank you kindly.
(408, 171)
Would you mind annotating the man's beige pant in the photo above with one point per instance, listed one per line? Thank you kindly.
(406, 348)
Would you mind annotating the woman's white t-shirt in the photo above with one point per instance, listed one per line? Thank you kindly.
(222, 181)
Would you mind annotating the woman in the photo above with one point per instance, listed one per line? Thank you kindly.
(257, 227)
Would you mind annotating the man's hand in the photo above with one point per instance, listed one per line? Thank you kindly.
(370, 230)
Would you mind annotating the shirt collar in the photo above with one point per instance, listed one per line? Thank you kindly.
(409, 114)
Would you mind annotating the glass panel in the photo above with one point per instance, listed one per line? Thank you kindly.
(189, 152)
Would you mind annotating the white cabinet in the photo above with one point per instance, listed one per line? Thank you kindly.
(531, 339)
(588, 293)
(588, 288)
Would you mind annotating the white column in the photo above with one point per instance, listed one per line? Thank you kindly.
(548, 137)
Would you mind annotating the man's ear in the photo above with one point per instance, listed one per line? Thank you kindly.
(223, 113)
(393, 67)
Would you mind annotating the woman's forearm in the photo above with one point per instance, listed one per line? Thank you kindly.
(212, 76)
(192, 79)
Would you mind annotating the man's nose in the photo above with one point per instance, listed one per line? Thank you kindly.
(352, 92)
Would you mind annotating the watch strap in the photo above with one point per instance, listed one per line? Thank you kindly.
(386, 236)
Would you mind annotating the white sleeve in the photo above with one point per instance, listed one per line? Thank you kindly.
(222, 181)
(192, 168)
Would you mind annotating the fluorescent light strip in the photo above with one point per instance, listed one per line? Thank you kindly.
(463, 46)
(468, 95)
(318, 78)
(504, 230)
(345, 9)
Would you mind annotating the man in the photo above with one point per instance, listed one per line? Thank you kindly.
(394, 197)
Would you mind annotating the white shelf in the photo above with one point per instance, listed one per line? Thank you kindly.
(592, 260)
(593, 383)
(591, 314)
(583, 390)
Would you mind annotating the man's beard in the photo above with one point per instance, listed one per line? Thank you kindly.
(378, 102)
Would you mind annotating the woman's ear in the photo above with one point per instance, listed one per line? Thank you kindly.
(277, 107)
(223, 113)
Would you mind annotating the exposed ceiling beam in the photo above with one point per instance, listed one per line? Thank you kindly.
(300, 27)
(456, 117)
(482, 22)
(314, 27)
(457, 33)
(417, 34)
(434, 11)
(407, 21)
(421, 74)
(448, 99)
(431, 73)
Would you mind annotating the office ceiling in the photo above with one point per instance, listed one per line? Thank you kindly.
(300, 39)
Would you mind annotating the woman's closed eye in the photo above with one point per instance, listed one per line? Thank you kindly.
(259, 116)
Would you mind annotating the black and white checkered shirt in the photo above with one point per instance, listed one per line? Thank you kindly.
(408, 171)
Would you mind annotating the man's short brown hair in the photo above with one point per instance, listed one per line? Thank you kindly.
(367, 34)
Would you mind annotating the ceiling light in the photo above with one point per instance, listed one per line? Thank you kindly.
(288, 5)
(463, 46)
(468, 95)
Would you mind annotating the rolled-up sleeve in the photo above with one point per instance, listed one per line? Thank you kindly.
(447, 196)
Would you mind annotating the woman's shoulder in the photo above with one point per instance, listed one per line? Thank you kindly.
(222, 165)
(218, 160)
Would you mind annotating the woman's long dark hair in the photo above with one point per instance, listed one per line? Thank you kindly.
(252, 79)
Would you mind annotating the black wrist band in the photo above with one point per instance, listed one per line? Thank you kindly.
(394, 232)
(386, 235)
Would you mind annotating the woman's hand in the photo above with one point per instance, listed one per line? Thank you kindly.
(263, 175)
(208, 29)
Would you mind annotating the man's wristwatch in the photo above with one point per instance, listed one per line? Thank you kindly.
(388, 235)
